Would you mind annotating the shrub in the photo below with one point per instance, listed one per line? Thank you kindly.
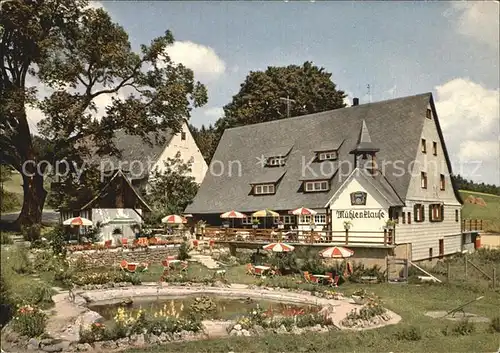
(360, 270)
(57, 237)
(96, 332)
(5, 238)
(495, 324)
(32, 232)
(183, 251)
(8, 201)
(18, 260)
(408, 334)
(462, 328)
(29, 321)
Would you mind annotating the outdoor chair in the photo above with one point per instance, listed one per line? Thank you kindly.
(335, 282)
(166, 267)
(310, 278)
(250, 269)
(123, 265)
(142, 241)
(184, 266)
(107, 244)
(131, 267)
(124, 242)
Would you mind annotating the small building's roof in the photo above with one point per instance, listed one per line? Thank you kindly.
(108, 189)
(395, 127)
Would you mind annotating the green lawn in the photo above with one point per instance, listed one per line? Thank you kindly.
(490, 213)
(409, 301)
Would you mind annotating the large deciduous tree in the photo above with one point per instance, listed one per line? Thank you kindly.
(261, 98)
(82, 56)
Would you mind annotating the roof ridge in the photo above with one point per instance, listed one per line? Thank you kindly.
(329, 111)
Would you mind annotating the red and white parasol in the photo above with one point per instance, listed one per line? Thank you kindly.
(233, 214)
(173, 219)
(278, 247)
(77, 221)
(302, 211)
(336, 252)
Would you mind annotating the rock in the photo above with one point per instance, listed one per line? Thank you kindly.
(233, 332)
(259, 330)
(246, 333)
(297, 330)
(123, 342)
(281, 330)
(138, 339)
(164, 337)
(316, 328)
(153, 339)
(237, 327)
(177, 336)
(239, 333)
(34, 342)
(83, 347)
(105, 345)
(58, 347)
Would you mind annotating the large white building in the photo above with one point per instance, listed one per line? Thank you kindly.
(358, 167)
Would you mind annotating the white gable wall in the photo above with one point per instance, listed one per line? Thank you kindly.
(189, 150)
(375, 203)
(426, 235)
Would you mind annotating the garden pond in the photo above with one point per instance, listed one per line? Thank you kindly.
(210, 307)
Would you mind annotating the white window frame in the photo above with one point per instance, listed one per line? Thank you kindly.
(328, 156)
(320, 218)
(305, 218)
(435, 214)
(264, 189)
(316, 186)
(423, 180)
(248, 220)
(276, 161)
(284, 219)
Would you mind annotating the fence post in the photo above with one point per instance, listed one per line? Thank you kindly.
(387, 269)
(465, 270)
(346, 236)
(448, 272)
(494, 280)
(385, 237)
(475, 224)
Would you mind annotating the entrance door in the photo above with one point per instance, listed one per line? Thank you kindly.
(441, 248)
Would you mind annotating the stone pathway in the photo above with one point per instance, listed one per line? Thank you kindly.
(205, 260)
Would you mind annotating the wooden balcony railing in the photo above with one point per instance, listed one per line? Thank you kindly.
(345, 237)
(469, 225)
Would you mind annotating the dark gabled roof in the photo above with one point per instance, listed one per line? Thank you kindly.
(281, 151)
(117, 174)
(269, 175)
(395, 128)
(326, 146)
(137, 156)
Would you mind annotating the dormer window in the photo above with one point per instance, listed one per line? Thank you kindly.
(316, 186)
(276, 161)
(264, 189)
(428, 114)
(328, 156)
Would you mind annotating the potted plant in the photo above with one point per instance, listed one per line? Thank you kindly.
(390, 224)
(347, 225)
(255, 223)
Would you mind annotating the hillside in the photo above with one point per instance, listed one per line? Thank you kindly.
(489, 211)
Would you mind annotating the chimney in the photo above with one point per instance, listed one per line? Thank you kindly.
(355, 101)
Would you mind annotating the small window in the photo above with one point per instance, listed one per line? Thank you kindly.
(305, 219)
(442, 182)
(428, 114)
(403, 218)
(328, 156)
(320, 219)
(418, 212)
(434, 148)
(424, 146)
(423, 180)
(264, 189)
(456, 216)
(314, 186)
(183, 136)
(276, 161)
(436, 212)
(409, 217)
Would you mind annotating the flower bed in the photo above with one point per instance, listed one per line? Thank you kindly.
(29, 321)
(370, 313)
(126, 325)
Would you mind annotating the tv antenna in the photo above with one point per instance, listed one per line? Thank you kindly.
(288, 101)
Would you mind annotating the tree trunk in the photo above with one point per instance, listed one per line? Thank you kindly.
(34, 199)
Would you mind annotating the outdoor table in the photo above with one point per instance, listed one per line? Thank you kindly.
(261, 270)
(321, 277)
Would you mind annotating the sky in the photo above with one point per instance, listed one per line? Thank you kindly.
(397, 48)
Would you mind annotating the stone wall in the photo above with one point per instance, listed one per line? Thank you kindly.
(112, 257)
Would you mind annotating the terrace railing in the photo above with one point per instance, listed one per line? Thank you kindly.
(344, 237)
(471, 225)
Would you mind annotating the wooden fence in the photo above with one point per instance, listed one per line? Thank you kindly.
(345, 237)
